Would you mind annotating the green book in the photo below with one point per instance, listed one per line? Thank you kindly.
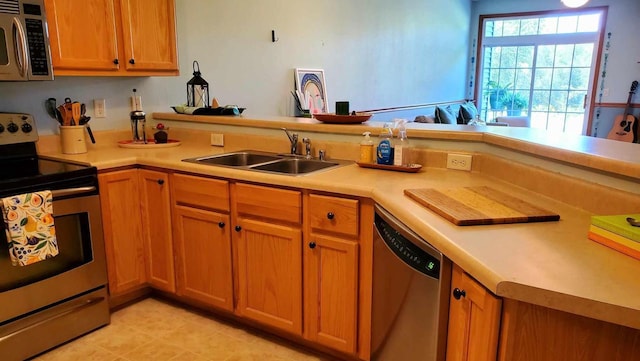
(618, 224)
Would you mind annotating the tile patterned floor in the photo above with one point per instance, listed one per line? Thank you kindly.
(154, 330)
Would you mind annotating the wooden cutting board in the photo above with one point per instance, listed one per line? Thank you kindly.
(465, 206)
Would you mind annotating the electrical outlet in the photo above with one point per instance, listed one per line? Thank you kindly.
(99, 108)
(459, 161)
(217, 139)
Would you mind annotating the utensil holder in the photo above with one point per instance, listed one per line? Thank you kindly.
(72, 139)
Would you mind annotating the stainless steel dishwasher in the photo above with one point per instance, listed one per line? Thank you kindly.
(411, 283)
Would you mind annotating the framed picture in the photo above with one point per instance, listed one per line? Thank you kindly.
(312, 90)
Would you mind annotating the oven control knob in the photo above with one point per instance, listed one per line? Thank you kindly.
(27, 128)
(1, 128)
(12, 127)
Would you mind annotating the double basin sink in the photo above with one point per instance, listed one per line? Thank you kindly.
(267, 162)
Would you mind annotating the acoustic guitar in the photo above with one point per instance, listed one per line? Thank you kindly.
(625, 126)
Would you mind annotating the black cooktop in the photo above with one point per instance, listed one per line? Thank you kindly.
(22, 172)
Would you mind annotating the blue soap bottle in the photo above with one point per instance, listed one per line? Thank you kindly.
(384, 152)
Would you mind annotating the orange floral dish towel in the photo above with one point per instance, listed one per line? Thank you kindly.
(31, 233)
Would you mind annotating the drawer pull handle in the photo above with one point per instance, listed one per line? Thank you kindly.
(458, 293)
(221, 224)
(312, 245)
(330, 215)
(238, 228)
(161, 181)
(131, 61)
(116, 61)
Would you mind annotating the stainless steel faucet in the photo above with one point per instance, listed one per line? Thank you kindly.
(293, 138)
(307, 145)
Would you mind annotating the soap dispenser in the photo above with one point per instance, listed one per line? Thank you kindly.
(366, 149)
(384, 153)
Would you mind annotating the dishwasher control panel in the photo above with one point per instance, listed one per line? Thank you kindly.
(408, 252)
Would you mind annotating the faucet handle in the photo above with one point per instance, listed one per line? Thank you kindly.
(322, 154)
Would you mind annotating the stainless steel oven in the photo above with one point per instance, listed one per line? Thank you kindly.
(55, 300)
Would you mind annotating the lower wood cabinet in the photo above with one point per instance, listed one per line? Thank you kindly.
(202, 240)
(203, 256)
(123, 230)
(136, 214)
(268, 244)
(331, 292)
(156, 222)
(474, 320)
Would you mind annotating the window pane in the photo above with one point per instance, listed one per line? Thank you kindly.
(539, 120)
(509, 56)
(546, 53)
(560, 79)
(497, 28)
(576, 101)
(567, 24)
(564, 55)
(580, 78)
(525, 56)
(540, 100)
(574, 124)
(543, 79)
(511, 28)
(523, 79)
(556, 122)
(548, 25)
(583, 55)
(558, 101)
(588, 23)
(529, 27)
(507, 77)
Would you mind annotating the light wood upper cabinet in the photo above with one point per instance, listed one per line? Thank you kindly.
(156, 221)
(268, 245)
(149, 35)
(202, 240)
(123, 232)
(112, 37)
(474, 320)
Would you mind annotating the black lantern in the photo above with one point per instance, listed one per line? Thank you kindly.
(197, 89)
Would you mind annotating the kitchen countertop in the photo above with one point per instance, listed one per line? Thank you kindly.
(551, 264)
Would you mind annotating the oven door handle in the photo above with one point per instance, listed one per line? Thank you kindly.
(72, 191)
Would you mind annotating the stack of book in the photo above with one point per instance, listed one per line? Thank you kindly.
(615, 232)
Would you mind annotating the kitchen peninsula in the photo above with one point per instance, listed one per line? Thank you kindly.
(548, 266)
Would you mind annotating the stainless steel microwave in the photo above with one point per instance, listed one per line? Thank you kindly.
(24, 41)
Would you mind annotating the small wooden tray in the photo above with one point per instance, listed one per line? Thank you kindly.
(150, 144)
(413, 168)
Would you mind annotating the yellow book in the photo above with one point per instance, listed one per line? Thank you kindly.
(615, 237)
(614, 245)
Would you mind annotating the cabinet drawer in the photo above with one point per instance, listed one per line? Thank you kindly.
(200, 192)
(266, 202)
(333, 214)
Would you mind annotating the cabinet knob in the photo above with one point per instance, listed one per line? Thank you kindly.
(131, 61)
(238, 228)
(161, 181)
(330, 215)
(312, 245)
(221, 224)
(457, 293)
(116, 61)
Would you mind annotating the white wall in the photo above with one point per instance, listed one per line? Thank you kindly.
(375, 53)
(623, 64)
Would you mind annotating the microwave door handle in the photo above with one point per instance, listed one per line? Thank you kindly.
(21, 50)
